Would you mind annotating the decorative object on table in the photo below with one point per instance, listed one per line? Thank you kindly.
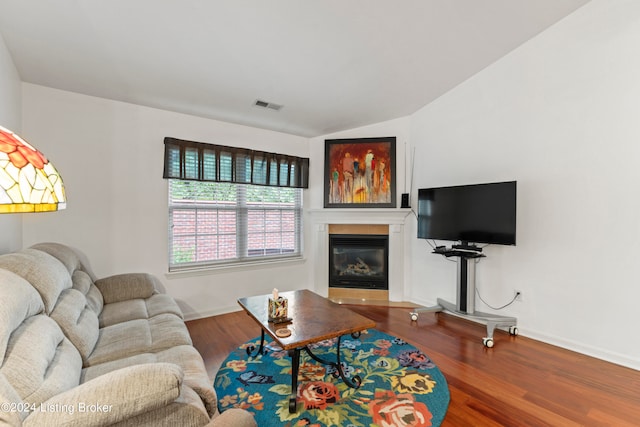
(28, 181)
(360, 173)
(400, 386)
(283, 332)
(277, 308)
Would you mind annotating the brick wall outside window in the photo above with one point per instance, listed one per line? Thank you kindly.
(214, 223)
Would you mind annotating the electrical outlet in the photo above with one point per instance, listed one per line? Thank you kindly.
(517, 295)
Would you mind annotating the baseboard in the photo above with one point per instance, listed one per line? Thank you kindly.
(422, 303)
(210, 313)
(598, 353)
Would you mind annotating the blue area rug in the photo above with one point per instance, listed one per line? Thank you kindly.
(400, 386)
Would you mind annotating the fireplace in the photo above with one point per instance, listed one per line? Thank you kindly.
(359, 261)
(387, 222)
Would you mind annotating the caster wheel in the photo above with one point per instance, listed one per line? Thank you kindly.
(513, 330)
(414, 317)
(488, 342)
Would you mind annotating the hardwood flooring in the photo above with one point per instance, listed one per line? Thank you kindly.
(519, 382)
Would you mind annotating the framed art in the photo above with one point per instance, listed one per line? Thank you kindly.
(360, 173)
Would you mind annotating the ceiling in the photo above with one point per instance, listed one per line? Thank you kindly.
(332, 64)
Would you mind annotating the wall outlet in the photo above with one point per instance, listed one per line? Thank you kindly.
(517, 294)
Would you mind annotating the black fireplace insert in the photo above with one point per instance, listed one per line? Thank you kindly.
(359, 261)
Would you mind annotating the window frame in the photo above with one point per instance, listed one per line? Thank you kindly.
(241, 207)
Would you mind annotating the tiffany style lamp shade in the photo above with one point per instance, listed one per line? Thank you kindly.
(28, 181)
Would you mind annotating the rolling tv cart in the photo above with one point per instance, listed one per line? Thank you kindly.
(467, 256)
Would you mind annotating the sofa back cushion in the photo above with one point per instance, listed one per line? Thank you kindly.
(72, 258)
(36, 359)
(42, 271)
(82, 282)
(40, 362)
(18, 301)
(66, 306)
(78, 322)
(77, 265)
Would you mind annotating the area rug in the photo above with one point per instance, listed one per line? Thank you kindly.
(400, 385)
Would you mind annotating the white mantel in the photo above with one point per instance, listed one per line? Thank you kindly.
(394, 218)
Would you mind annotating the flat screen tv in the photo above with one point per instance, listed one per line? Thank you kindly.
(479, 213)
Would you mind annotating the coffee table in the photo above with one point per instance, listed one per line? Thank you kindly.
(313, 319)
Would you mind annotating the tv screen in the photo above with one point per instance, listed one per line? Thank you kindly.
(479, 213)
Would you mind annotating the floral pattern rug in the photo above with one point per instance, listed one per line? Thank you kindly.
(400, 386)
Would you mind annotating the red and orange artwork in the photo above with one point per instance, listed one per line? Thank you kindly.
(359, 172)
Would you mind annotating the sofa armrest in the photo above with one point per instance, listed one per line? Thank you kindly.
(113, 397)
(233, 418)
(122, 287)
(9, 415)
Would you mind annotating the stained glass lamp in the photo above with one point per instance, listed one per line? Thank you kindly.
(28, 181)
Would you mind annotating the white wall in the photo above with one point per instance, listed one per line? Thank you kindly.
(110, 155)
(10, 224)
(560, 115)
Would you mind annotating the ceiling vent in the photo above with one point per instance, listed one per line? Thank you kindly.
(265, 104)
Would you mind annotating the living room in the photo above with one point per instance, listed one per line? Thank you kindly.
(557, 114)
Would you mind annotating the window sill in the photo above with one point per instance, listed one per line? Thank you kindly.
(227, 268)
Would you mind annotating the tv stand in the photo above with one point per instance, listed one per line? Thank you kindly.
(466, 295)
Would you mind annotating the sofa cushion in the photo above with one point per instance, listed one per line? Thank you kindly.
(136, 294)
(139, 308)
(121, 394)
(40, 362)
(185, 356)
(139, 336)
(78, 322)
(183, 411)
(77, 265)
(82, 282)
(18, 301)
(72, 259)
(123, 287)
(44, 272)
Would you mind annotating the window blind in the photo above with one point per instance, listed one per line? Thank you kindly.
(200, 161)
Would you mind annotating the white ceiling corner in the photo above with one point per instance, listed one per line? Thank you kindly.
(332, 65)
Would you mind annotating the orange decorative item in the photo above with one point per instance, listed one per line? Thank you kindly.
(28, 181)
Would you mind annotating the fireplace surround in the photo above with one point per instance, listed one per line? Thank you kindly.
(325, 222)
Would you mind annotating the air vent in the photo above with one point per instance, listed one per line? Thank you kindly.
(265, 104)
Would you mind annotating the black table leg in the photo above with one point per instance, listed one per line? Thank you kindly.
(295, 368)
(355, 383)
(260, 349)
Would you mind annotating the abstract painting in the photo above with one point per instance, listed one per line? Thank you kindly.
(360, 173)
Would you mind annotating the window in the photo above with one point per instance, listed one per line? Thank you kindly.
(229, 205)
(213, 222)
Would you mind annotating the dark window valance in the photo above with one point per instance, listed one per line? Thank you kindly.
(199, 161)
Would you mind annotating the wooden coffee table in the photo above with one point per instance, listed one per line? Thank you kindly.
(313, 319)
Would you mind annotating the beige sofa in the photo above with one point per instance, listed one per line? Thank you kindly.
(76, 350)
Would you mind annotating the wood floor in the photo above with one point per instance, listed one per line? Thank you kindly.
(519, 382)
